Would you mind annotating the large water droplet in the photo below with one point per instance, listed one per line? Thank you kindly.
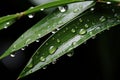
(12, 55)
(73, 30)
(62, 8)
(42, 59)
(31, 15)
(23, 49)
(80, 20)
(52, 49)
(70, 54)
(102, 18)
(82, 31)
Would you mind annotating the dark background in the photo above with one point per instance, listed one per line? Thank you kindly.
(98, 59)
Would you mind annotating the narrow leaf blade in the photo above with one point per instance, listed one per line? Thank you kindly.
(47, 25)
(72, 35)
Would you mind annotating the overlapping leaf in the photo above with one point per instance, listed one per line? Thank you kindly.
(72, 35)
(48, 24)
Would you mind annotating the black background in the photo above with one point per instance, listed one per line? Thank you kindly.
(98, 59)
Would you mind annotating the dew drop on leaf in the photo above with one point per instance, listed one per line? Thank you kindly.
(73, 30)
(37, 40)
(76, 10)
(58, 40)
(108, 2)
(80, 20)
(12, 55)
(82, 31)
(42, 59)
(30, 65)
(52, 49)
(30, 15)
(86, 26)
(62, 8)
(42, 9)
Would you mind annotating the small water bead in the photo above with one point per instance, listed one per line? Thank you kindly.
(70, 54)
(30, 65)
(82, 31)
(86, 26)
(12, 55)
(53, 32)
(54, 61)
(42, 9)
(62, 8)
(39, 35)
(52, 49)
(58, 40)
(44, 67)
(76, 10)
(80, 20)
(74, 43)
(102, 18)
(31, 15)
(22, 49)
(73, 30)
(37, 40)
(92, 9)
(42, 59)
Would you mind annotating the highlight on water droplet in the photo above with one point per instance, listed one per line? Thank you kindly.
(86, 26)
(31, 15)
(58, 40)
(23, 49)
(37, 40)
(92, 9)
(42, 59)
(52, 49)
(73, 30)
(70, 54)
(82, 31)
(12, 55)
(108, 2)
(54, 61)
(62, 8)
(42, 9)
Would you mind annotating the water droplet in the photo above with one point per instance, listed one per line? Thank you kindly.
(86, 25)
(27, 41)
(58, 40)
(80, 20)
(70, 54)
(91, 33)
(37, 40)
(42, 59)
(108, 2)
(92, 9)
(5, 27)
(39, 35)
(54, 61)
(74, 43)
(44, 67)
(82, 31)
(42, 9)
(22, 49)
(30, 65)
(102, 18)
(52, 49)
(93, 37)
(73, 30)
(53, 32)
(8, 23)
(76, 10)
(30, 15)
(12, 55)
(62, 8)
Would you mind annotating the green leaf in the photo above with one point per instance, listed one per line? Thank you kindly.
(6, 21)
(73, 35)
(48, 24)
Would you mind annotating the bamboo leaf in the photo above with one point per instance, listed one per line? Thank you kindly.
(72, 35)
(6, 21)
(48, 24)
